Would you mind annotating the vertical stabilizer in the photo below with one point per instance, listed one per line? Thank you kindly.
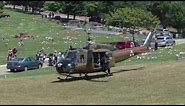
(148, 39)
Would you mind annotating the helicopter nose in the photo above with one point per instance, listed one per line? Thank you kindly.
(69, 67)
(59, 68)
(64, 68)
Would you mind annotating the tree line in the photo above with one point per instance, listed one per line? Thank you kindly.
(118, 13)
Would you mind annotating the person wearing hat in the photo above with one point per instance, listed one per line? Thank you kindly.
(90, 42)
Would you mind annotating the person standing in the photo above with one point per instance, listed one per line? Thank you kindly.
(10, 54)
(14, 52)
(106, 63)
(37, 56)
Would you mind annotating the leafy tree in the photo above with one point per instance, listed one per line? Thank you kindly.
(1, 7)
(78, 9)
(122, 4)
(72, 7)
(170, 13)
(52, 5)
(66, 7)
(161, 9)
(99, 8)
(36, 5)
(176, 16)
(90, 7)
(129, 17)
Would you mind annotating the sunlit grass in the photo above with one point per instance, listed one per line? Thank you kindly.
(156, 83)
(41, 28)
(157, 78)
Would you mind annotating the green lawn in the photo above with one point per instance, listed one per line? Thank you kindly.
(157, 78)
(162, 54)
(156, 83)
(40, 29)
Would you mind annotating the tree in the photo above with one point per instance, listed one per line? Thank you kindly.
(72, 7)
(52, 5)
(122, 4)
(36, 5)
(176, 16)
(99, 8)
(77, 8)
(90, 7)
(1, 7)
(129, 17)
(66, 7)
(170, 13)
(160, 9)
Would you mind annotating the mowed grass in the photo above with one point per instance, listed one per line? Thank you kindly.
(138, 81)
(41, 28)
(156, 83)
(160, 55)
(149, 80)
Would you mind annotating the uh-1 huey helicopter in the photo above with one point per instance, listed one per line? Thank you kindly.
(88, 60)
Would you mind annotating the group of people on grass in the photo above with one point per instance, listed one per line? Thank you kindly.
(41, 55)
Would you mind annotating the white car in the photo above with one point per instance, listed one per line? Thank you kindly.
(165, 41)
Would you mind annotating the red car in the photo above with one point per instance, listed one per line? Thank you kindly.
(123, 45)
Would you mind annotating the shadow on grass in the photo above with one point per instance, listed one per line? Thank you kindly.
(124, 70)
(88, 78)
(91, 78)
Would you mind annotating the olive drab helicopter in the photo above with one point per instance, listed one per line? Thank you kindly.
(88, 60)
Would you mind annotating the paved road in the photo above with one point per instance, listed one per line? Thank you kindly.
(179, 41)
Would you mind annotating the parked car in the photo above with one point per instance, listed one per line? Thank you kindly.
(124, 45)
(165, 41)
(23, 63)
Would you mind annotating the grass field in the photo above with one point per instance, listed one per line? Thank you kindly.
(157, 83)
(157, 78)
(40, 29)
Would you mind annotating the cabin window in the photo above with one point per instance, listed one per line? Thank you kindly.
(97, 58)
(81, 58)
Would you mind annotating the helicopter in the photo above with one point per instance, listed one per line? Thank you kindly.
(88, 60)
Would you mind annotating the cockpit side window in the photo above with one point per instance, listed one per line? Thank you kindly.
(71, 55)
